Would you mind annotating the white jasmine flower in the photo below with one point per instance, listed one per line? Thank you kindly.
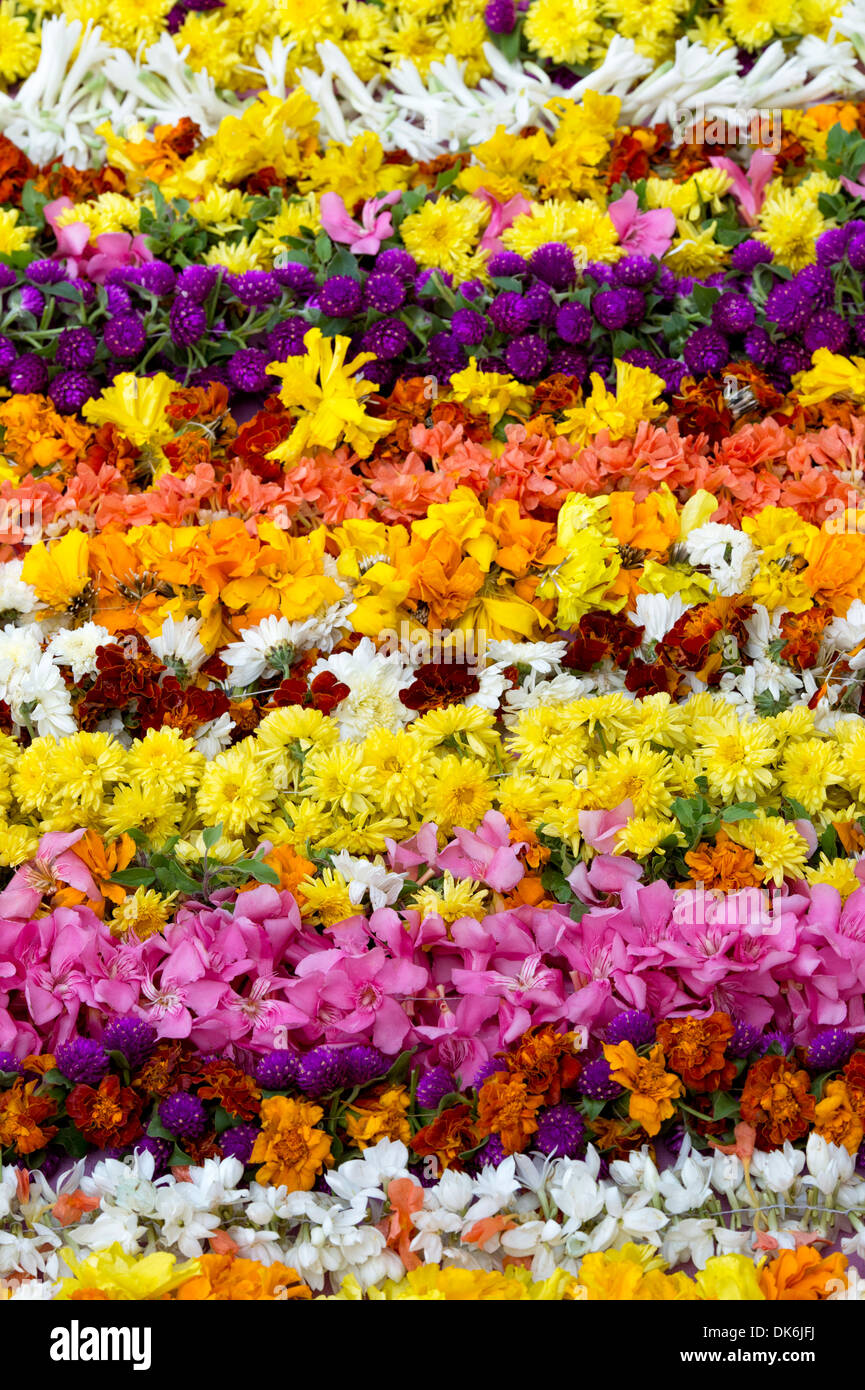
(368, 877)
(178, 647)
(729, 554)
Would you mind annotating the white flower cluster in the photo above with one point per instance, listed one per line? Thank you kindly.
(557, 1211)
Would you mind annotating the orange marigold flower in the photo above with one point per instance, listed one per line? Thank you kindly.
(836, 1120)
(695, 1048)
(290, 1149)
(653, 1089)
(854, 1076)
(227, 1279)
(447, 1136)
(506, 1108)
(109, 1115)
(546, 1061)
(801, 1276)
(724, 866)
(231, 1088)
(22, 1117)
(777, 1101)
(382, 1114)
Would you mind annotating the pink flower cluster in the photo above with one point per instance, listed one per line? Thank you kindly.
(249, 973)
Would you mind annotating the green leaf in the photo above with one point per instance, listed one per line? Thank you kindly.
(724, 1105)
(211, 836)
(133, 878)
(262, 873)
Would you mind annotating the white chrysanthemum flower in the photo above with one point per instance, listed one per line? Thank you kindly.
(374, 682)
(178, 647)
(729, 554)
(657, 614)
(15, 595)
(214, 736)
(76, 647)
(273, 644)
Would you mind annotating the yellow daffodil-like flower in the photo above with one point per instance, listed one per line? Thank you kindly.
(430, 1282)
(136, 405)
(113, 1274)
(636, 1273)
(831, 375)
(489, 393)
(634, 399)
(584, 580)
(59, 571)
(327, 394)
(729, 1278)
(14, 236)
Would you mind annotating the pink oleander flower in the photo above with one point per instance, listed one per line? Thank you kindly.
(502, 216)
(93, 261)
(642, 233)
(360, 995)
(363, 238)
(53, 866)
(749, 189)
(599, 829)
(485, 854)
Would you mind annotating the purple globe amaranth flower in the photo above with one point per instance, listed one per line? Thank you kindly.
(526, 357)
(856, 252)
(492, 1153)
(828, 1049)
(27, 374)
(255, 289)
(247, 370)
(826, 329)
(733, 313)
(295, 277)
(76, 348)
(362, 1064)
(816, 282)
(706, 351)
(187, 321)
(780, 1039)
(161, 1150)
(381, 374)
(747, 1038)
(157, 277)
(45, 272)
(468, 326)
(384, 292)
(665, 284)
(32, 300)
(831, 245)
(82, 1061)
(486, 1070)
(239, 1142)
(492, 363)
(278, 1070)
(125, 336)
(8, 277)
(472, 289)
(10, 1063)
(69, 391)
(285, 339)
(320, 1071)
(636, 304)
(561, 1132)
(509, 313)
(133, 1037)
(789, 306)
(749, 254)
(118, 300)
(505, 265)
(555, 264)
(611, 308)
(641, 357)
(437, 1082)
(792, 358)
(388, 338)
(759, 347)
(595, 1082)
(7, 353)
(447, 355)
(574, 323)
(600, 273)
(339, 297)
(633, 1026)
(635, 272)
(540, 305)
(197, 281)
(395, 261)
(858, 332)
(569, 362)
(183, 1115)
(501, 16)
(672, 372)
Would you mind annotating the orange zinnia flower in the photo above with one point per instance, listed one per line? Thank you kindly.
(725, 865)
(289, 1148)
(653, 1089)
(506, 1108)
(694, 1048)
(226, 1279)
(777, 1101)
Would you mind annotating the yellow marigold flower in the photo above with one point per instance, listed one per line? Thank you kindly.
(327, 395)
(291, 1151)
(653, 1090)
(452, 1285)
(382, 1116)
(460, 793)
(635, 399)
(19, 44)
(59, 572)
(454, 900)
(634, 1273)
(142, 914)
